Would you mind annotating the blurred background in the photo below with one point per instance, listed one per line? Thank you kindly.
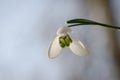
(28, 26)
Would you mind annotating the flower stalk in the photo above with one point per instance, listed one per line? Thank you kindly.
(78, 22)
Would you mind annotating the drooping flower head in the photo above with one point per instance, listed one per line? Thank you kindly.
(63, 40)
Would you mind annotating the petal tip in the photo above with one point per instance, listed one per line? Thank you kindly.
(50, 56)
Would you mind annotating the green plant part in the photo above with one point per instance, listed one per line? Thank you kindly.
(62, 42)
(78, 22)
(65, 41)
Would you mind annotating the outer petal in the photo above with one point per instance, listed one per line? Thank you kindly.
(78, 48)
(54, 48)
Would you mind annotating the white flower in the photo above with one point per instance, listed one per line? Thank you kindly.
(64, 40)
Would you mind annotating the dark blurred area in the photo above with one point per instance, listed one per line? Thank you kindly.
(28, 26)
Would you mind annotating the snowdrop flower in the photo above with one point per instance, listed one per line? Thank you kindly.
(63, 40)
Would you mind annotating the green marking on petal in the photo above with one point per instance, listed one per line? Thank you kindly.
(65, 41)
(68, 41)
(62, 42)
(62, 45)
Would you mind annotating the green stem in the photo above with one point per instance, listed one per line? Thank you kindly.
(78, 22)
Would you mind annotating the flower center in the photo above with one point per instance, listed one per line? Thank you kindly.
(65, 41)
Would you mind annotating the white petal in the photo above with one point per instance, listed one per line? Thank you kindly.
(63, 30)
(54, 48)
(78, 48)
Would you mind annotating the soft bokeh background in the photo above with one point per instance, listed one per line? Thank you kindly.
(28, 26)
